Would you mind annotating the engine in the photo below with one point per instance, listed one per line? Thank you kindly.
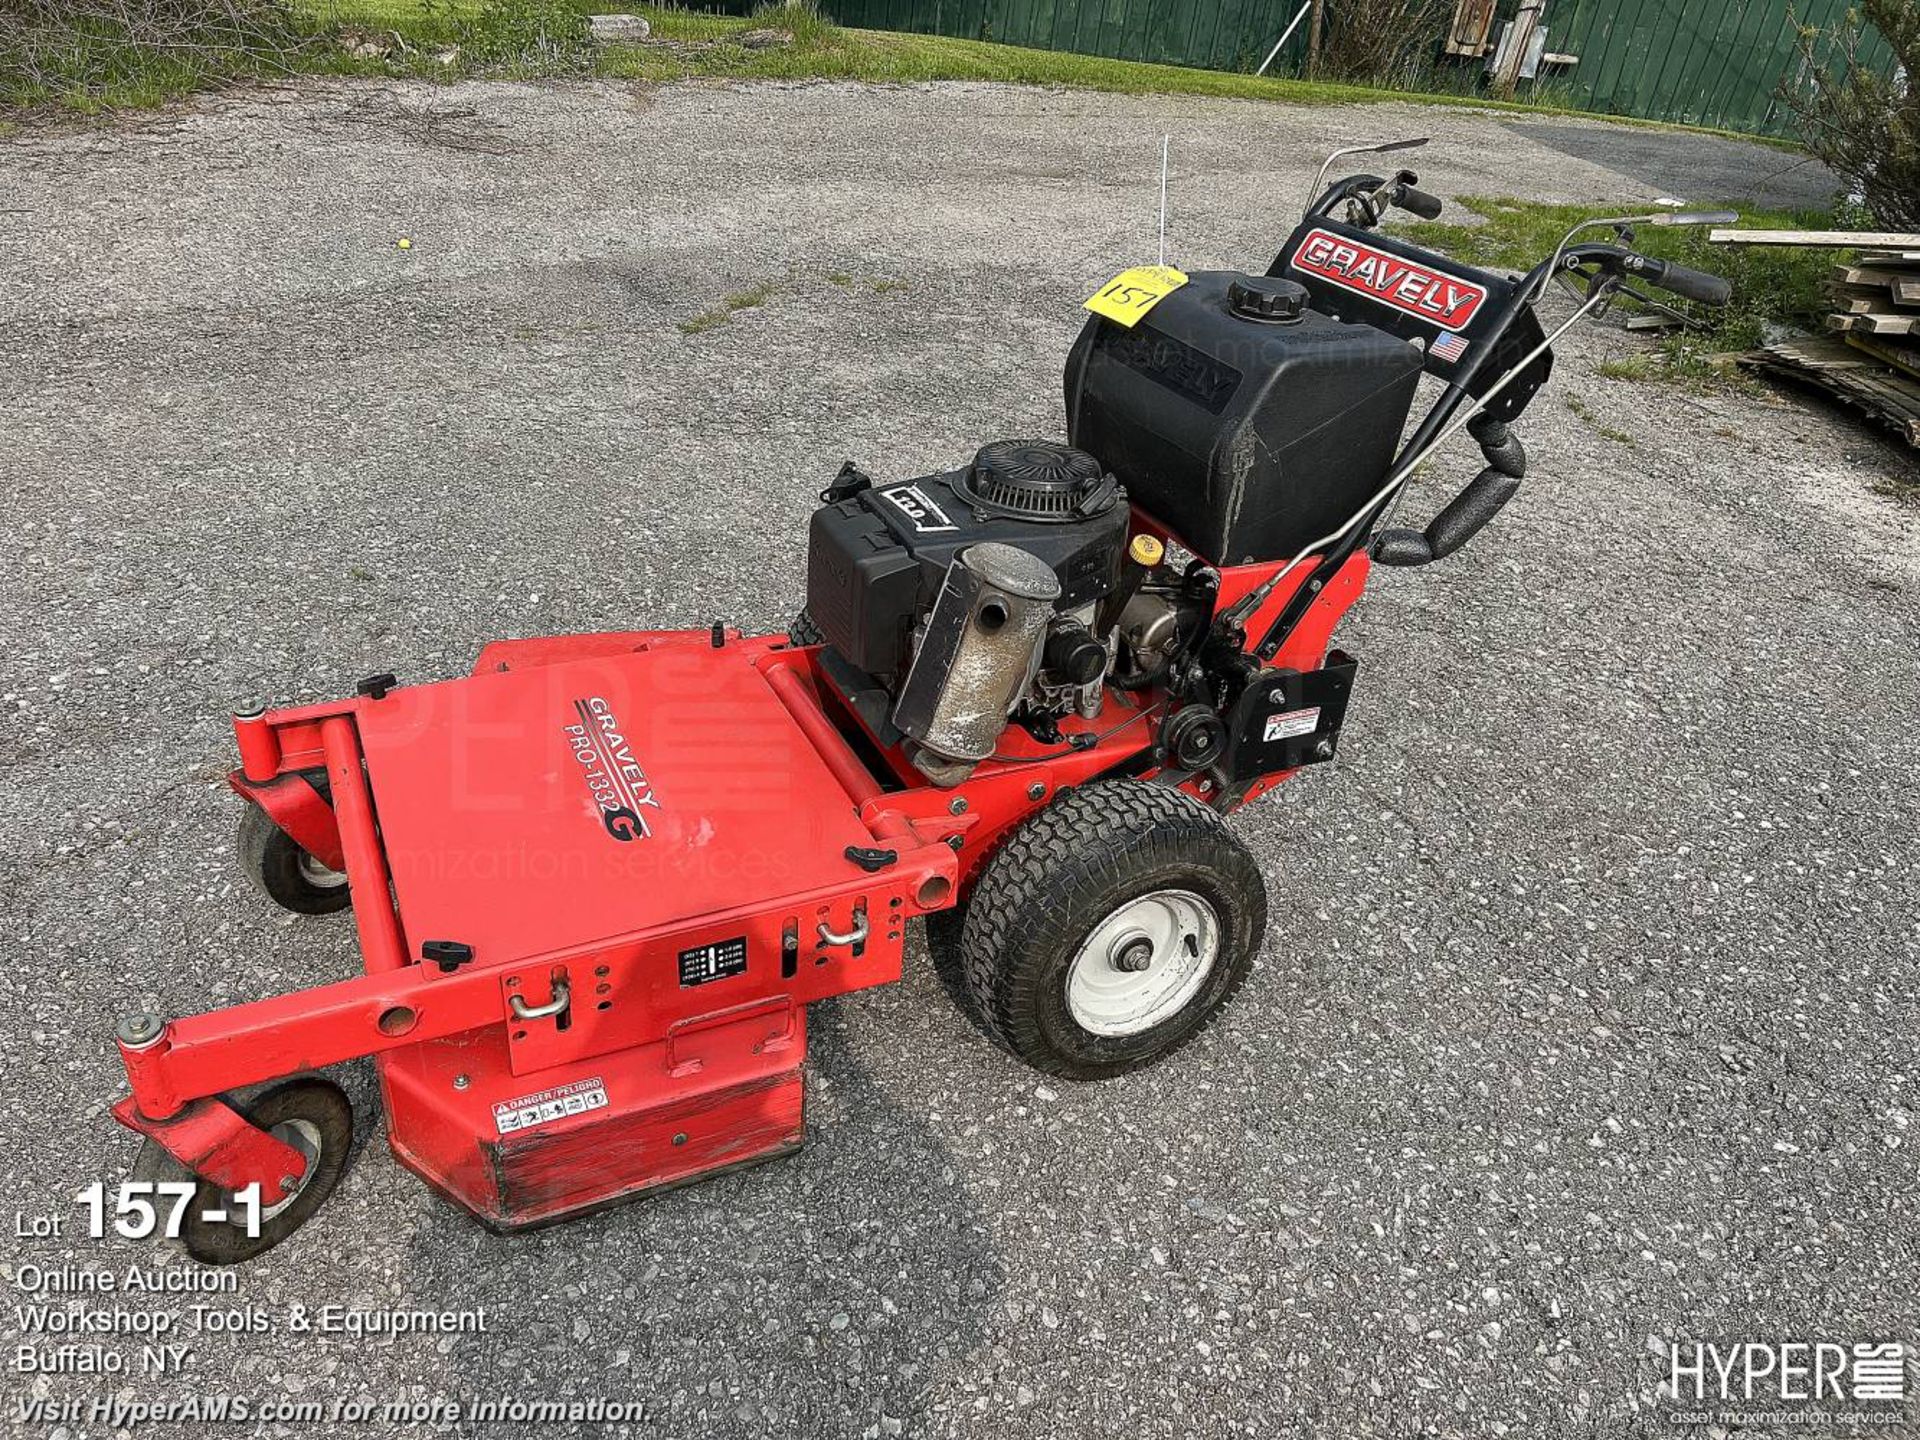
(1233, 416)
(972, 594)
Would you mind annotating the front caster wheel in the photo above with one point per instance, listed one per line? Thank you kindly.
(310, 1114)
(1110, 928)
(286, 874)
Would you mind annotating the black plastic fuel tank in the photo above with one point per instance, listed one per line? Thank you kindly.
(1245, 422)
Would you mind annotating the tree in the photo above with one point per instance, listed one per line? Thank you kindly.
(1860, 120)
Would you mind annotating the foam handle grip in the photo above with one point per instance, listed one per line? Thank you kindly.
(1692, 284)
(1426, 206)
(1466, 514)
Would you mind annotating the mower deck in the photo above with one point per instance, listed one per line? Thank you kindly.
(596, 884)
(595, 823)
(621, 867)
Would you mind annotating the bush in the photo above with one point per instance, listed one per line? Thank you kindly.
(93, 54)
(1381, 42)
(1864, 124)
(540, 37)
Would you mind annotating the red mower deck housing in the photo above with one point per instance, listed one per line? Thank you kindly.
(618, 868)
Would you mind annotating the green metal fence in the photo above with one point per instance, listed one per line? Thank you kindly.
(1707, 62)
(1209, 34)
(1700, 62)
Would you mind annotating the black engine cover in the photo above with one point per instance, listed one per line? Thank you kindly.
(876, 558)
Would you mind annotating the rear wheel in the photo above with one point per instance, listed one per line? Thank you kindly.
(1110, 928)
(310, 1114)
(286, 874)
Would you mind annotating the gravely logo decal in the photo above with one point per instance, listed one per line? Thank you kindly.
(1406, 285)
(614, 778)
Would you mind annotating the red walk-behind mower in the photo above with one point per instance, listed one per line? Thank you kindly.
(598, 881)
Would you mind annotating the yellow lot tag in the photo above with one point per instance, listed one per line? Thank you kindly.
(1132, 293)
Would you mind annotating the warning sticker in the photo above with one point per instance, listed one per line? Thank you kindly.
(1127, 297)
(576, 1099)
(1289, 723)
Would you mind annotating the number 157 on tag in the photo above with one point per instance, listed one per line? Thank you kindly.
(1132, 293)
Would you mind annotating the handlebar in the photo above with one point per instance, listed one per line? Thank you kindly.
(1368, 197)
(1679, 279)
(1418, 202)
(1689, 284)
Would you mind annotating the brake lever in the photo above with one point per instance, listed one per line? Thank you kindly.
(1579, 284)
(1602, 289)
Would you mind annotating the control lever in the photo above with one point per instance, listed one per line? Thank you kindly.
(1618, 262)
(1370, 199)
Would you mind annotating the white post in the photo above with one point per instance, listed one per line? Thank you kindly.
(1285, 35)
(1166, 147)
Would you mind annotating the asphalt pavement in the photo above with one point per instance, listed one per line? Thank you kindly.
(1586, 1016)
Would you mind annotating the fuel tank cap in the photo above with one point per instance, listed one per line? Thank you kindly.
(1267, 299)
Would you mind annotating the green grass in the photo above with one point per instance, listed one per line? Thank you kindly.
(1593, 422)
(511, 38)
(752, 296)
(1626, 367)
(1771, 287)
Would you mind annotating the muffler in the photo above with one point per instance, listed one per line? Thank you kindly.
(978, 654)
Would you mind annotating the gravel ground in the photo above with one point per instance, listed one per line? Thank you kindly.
(1587, 1012)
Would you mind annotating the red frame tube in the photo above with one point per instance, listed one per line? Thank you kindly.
(379, 927)
(804, 706)
(201, 1055)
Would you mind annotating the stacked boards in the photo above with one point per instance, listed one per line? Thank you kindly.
(1870, 357)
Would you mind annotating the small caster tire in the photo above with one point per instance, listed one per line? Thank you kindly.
(1110, 928)
(286, 874)
(803, 631)
(310, 1114)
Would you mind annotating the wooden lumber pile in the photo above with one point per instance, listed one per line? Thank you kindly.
(1852, 376)
(1879, 295)
(1870, 359)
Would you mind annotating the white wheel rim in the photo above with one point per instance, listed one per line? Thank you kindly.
(1174, 931)
(319, 876)
(304, 1136)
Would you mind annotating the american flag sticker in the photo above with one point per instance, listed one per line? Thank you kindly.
(1449, 348)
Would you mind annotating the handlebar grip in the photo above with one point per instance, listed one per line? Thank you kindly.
(1689, 284)
(1426, 206)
